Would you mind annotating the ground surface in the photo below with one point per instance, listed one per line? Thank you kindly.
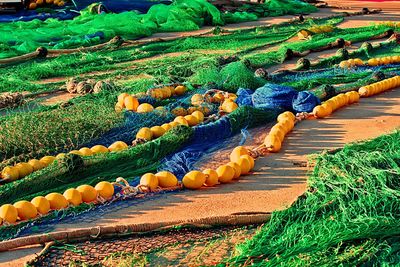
(278, 179)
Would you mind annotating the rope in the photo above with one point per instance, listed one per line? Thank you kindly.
(118, 230)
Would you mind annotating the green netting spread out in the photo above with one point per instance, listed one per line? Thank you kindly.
(74, 170)
(348, 217)
(88, 29)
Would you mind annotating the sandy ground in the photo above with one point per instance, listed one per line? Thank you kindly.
(277, 180)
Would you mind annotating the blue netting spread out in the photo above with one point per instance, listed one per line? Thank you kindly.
(133, 122)
(305, 102)
(275, 97)
(206, 137)
(244, 97)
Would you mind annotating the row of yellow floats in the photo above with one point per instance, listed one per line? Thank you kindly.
(40, 206)
(241, 163)
(131, 103)
(345, 64)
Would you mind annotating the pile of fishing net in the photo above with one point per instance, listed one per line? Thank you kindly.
(348, 216)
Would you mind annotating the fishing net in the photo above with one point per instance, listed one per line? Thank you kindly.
(74, 170)
(348, 216)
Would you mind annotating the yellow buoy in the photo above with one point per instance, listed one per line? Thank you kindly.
(145, 133)
(272, 143)
(245, 165)
(180, 90)
(144, 108)
(199, 115)
(279, 131)
(26, 210)
(229, 106)
(197, 99)
(47, 160)
(191, 120)
(24, 169)
(57, 201)
(250, 159)
(237, 152)
(179, 111)
(173, 124)
(328, 108)
(8, 213)
(157, 131)
(131, 103)
(225, 173)
(287, 124)
(194, 180)
(218, 97)
(320, 112)
(86, 151)
(150, 181)
(41, 204)
(105, 189)
(363, 91)
(181, 120)
(97, 149)
(237, 169)
(121, 99)
(166, 179)
(286, 115)
(36, 164)
(89, 194)
(211, 177)
(73, 196)
(166, 127)
(118, 146)
(10, 173)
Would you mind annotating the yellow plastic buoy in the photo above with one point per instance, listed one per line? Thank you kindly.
(373, 62)
(218, 97)
(245, 165)
(73, 196)
(180, 90)
(144, 108)
(149, 180)
(191, 120)
(194, 180)
(320, 112)
(272, 143)
(26, 210)
(36, 164)
(157, 131)
(8, 213)
(225, 173)
(250, 159)
(105, 189)
(166, 127)
(57, 201)
(41, 204)
(97, 149)
(179, 111)
(10, 173)
(118, 146)
(286, 115)
(166, 179)
(173, 124)
(211, 177)
(199, 116)
(24, 169)
(197, 99)
(363, 91)
(89, 194)
(229, 106)
(237, 152)
(237, 168)
(85, 151)
(131, 103)
(288, 124)
(145, 133)
(47, 160)
(121, 99)
(279, 131)
(181, 120)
